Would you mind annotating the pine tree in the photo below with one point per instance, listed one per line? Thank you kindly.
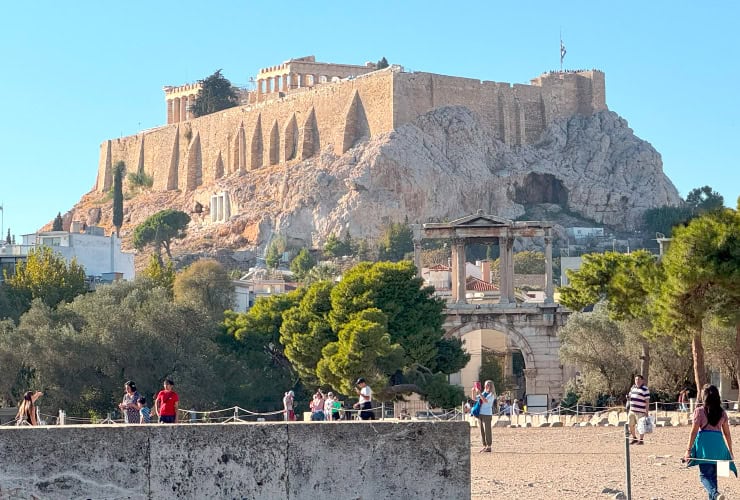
(118, 171)
(58, 224)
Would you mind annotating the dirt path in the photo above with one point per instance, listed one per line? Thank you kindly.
(581, 462)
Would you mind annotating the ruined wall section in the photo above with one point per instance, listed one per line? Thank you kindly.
(196, 152)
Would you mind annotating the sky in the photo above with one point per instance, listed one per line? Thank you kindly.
(74, 74)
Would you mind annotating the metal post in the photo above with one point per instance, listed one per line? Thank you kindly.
(382, 410)
(236, 414)
(628, 484)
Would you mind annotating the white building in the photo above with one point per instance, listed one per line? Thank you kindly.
(99, 255)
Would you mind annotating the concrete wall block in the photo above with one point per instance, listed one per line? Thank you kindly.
(266, 461)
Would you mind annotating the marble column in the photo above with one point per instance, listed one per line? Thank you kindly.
(510, 269)
(458, 271)
(183, 108)
(549, 295)
(286, 82)
(170, 116)
(176, 108)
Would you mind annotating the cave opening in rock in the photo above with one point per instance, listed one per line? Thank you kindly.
(541, 188)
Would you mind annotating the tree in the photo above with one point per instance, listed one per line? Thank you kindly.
(160, 229)
(627, 282)
(277, 247)
(215, 94)
(336, 247)
(702, 277)
(119, 169)
(663, 219)
(355, 315)
(704, 199)
(363, 348)
(158, 274)
(57, 225)
(382, 63)
(596, 344)
(302, 264)
(305, 330)
(122, 331)
(396, 242)
(206, 286)
(46, 276)
(8, 239)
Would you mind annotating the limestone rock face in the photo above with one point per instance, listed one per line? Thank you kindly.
(443, 166)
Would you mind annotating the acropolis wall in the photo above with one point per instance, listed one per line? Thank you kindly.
(283, 127)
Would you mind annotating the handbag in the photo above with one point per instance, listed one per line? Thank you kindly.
(475, 410)
(645, 425)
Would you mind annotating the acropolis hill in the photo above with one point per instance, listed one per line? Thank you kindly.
(321, 148)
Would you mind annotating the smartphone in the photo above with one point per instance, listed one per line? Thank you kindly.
(477, 385)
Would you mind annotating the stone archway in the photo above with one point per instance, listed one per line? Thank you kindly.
(532, 332)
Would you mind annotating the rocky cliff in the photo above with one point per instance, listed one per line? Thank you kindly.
(444, 165)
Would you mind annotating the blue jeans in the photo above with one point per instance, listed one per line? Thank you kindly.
(708, 478)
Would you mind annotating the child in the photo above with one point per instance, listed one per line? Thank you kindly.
(144, 411)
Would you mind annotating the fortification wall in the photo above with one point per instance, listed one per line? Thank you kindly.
(267, 461)
(188, 154)
(282, 130)
(517, 113)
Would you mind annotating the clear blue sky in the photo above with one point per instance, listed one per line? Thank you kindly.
(77, 73)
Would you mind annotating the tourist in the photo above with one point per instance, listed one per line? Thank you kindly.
(639, 402)
(515, 410)
(710, 440)
(288, 400)
(129, 406)
(317, 407)
(487, 399)
(365, 396)
(27, 409)
(145, 414)
(166, 404)
(683, 398)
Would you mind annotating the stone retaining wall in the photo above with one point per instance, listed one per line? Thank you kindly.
(353, 460)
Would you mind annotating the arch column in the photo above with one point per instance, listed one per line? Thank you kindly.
(549, 295)
(458, 271)
(506, 270)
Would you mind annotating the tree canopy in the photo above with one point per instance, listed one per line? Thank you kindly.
(702, 269)
(396, 242)
(216, 94)
(302, 264)
(377, 322)
(46, 276)
(205, 284)
(160, 229)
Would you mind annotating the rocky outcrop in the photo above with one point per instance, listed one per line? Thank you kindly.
(442, 166)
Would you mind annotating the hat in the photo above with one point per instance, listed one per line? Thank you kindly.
(360, 381)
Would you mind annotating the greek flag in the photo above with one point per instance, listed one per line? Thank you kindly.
(562, 52)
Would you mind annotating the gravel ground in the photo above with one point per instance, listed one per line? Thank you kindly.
(586, 462)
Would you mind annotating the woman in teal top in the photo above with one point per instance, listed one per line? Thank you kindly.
(487, 399)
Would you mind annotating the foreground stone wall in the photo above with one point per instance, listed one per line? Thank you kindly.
(354, 460)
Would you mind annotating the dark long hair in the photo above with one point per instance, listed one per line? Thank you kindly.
(712, 404)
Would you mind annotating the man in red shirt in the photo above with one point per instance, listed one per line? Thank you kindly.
(166, 404)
